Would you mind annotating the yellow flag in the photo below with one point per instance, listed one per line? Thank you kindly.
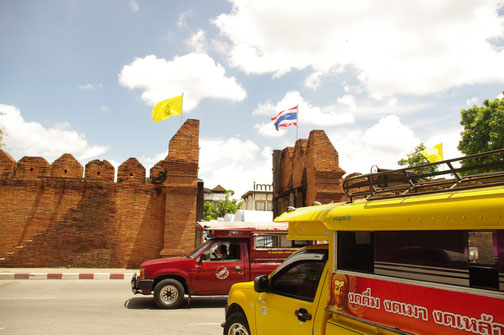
(167, 108)
(435, 153)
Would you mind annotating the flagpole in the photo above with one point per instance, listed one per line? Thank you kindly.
(181, 109)
(297, 123)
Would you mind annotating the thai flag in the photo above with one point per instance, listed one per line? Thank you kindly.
(286, 118)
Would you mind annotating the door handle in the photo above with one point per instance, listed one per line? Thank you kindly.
(303, 315)
(238, 268)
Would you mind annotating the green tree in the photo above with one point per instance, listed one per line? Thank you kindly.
(226, 206)
(483, 131)
(416, 158)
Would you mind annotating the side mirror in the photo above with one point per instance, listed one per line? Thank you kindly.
(261, 284)
(203, 257)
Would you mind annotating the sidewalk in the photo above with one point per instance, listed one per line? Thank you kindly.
(64, 273)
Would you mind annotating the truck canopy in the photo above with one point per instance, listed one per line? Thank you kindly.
(244, 215)
(306, 223)
(241, 229)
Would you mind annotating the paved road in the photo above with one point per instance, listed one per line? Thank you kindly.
(99, 307)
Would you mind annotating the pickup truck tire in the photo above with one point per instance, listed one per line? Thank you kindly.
(169, 294)
(236, 324)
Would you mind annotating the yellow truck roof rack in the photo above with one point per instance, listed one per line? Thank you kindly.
(408, 201)
(412, 181)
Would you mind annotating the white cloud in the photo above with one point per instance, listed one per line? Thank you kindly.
(89, 87)
(390, 135)
(182, 19)
(149, 162)
(195, 74)
(197, 42)
(268, 129)
(355, 89)
(314, 80)
(382, 144)
(408, 48)
(104, 109)
(348, 100)
(32, 139)
(133, 4)
(235, 164)
(471, 102)
(358, 107)
(307, 114)
(347, 109)
(231, 162)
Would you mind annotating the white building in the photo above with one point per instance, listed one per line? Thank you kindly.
(214, 195)
(259, 199)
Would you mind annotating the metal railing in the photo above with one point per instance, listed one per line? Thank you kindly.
(414, 181)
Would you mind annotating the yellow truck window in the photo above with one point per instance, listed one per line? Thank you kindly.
(299, 280)
(456, 257)
(356, 251)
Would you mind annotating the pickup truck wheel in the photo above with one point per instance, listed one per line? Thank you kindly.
(169, 293)
(236, 324)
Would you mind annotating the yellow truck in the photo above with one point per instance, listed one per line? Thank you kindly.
(409, 253)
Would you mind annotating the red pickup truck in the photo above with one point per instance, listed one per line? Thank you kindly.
(234, 252)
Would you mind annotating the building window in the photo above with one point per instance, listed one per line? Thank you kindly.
(260, 206)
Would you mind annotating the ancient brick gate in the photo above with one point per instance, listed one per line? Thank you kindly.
(52, 216)
(307, 173)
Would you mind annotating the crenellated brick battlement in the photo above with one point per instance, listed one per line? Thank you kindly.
(183, 153)
(64, 214)
(33, 168)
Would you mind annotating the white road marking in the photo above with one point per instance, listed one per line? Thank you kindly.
(204, 324)
(26, 298)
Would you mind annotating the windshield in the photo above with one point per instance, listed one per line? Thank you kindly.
(198, 249)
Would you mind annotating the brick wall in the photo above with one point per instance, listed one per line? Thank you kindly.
(50, 215)
(306, 173)
(7, 165)
(66, 167)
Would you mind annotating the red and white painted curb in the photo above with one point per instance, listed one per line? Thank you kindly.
(65, 275)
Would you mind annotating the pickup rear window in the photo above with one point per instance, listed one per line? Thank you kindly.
(263, 241)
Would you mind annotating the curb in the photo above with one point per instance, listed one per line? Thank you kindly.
(65, 276)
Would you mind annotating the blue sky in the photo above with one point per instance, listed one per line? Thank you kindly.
(378, 77)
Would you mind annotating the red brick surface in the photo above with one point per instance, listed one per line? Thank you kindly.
(131, 171)
(308, 172)
(67, 167)
(102, 170)
(32, 168)
(7, 165)
(50, 216)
